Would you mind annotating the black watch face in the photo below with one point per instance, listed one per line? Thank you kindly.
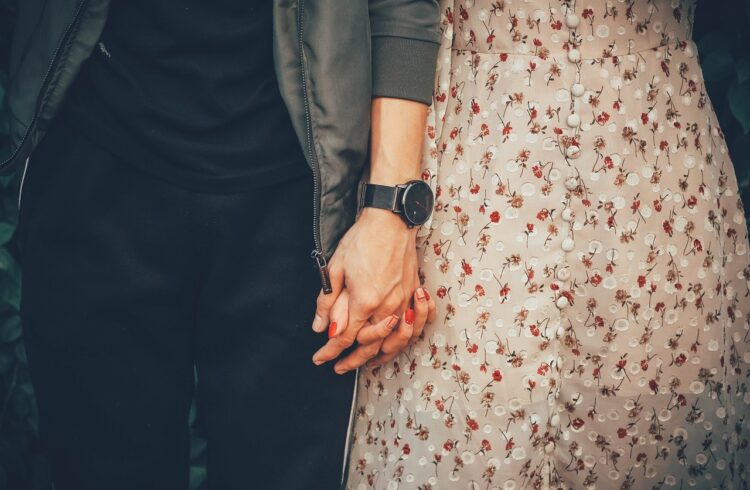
(418, 202)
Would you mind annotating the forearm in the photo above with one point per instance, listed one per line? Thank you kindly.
(398, 128)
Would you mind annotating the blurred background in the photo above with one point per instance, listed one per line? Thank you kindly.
(722, 32)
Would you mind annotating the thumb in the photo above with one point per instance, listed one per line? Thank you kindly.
(326, 301)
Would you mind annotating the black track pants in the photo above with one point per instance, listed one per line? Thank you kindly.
(130, 281)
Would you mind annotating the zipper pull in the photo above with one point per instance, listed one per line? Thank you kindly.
(322, 265)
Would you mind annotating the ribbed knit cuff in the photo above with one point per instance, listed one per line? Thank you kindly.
(403, 68)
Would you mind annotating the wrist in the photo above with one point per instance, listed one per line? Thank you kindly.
(386, 220)
(392, 175)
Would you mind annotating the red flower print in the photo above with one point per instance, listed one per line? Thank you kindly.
(667, 227)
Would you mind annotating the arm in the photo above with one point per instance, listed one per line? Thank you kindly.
(376, 261)
(375, 265)
(405, 40)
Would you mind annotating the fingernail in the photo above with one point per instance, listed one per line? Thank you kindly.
(409, 316)
(392, 322)
(332, 330)
(420, 294)
(317, 324)
(427, 295)
(338, 370)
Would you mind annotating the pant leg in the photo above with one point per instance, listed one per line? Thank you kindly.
(107, 310)
(273, 419)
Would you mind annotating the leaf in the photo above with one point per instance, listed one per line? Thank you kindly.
(197, 447)
(197, 477)
(742, 67)
(10, 291)
(10, 329)
(739, 103)
(7, 358)
(714, 41)
(6, 232)
(718, 65)
(22, 403)
(8, 263)
(21, 353)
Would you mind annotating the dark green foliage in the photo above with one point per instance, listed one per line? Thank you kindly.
(722, 34)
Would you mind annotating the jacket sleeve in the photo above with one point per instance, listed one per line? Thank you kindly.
(405, 42)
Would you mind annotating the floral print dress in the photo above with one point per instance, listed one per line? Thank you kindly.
(590, 257)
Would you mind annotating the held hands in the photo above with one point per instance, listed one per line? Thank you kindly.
(376, 299)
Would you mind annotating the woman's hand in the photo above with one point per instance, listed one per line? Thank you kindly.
(423, 313)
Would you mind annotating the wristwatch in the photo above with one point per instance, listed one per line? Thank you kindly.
(413, 201)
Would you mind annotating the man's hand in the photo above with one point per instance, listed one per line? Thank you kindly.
(373, 276)
(374, 269)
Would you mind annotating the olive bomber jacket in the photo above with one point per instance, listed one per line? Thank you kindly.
(332, 57)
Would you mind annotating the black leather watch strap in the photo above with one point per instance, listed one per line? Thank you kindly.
(381, 197)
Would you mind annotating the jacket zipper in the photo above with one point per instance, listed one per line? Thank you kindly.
(43, 89)
(23, 179)
(318, 255)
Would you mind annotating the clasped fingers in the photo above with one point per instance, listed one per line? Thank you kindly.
(410, 328)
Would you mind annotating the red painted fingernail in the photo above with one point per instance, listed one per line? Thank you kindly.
(427, 295)
(409, 316)
(332, 329)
